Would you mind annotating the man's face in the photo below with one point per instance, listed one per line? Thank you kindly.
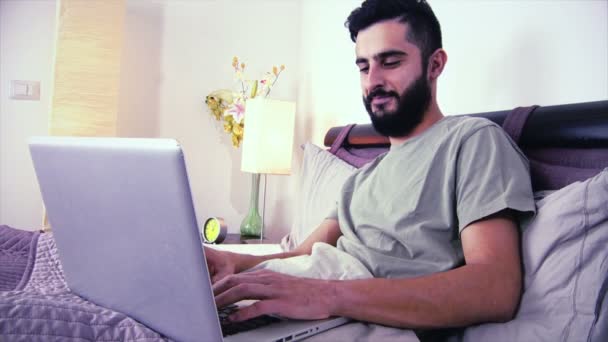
(396, 92)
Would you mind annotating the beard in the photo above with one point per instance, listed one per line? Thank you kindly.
(411, 106)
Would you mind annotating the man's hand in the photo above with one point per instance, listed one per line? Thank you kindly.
(279, 294)
(221, 263)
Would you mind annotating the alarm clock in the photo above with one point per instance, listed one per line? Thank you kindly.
(214, 230)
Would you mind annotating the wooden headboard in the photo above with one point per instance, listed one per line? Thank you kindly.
(569, 125)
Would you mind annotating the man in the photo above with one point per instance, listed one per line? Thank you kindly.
(434, 219)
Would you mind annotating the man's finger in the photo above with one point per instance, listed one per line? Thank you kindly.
(217, 277)
(263, 307)
(223, 281)
(241, 292)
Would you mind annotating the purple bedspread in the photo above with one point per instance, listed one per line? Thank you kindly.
(37, 305)
(17, 254)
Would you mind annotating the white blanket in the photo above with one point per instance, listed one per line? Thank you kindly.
(327, 262)
(324, 262)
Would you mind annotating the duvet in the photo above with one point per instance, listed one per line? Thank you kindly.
(37, 305)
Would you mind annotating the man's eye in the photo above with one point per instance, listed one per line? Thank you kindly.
(363, 70)
(391, 64)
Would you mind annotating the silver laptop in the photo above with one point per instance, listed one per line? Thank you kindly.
(126, 231)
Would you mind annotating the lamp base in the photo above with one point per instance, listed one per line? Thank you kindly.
(252, 226)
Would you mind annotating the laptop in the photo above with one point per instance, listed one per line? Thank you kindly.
(124, 223)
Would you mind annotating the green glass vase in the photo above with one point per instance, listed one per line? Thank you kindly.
(252, 226)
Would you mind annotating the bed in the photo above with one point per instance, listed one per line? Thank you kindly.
(564, 247)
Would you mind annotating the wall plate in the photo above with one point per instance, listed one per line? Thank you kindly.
(25, 90)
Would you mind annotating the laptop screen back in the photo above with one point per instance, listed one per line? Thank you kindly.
(122, 216)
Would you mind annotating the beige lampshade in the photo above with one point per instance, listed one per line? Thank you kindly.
(268, 136)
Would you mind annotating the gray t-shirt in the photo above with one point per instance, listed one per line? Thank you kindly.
(401, 215)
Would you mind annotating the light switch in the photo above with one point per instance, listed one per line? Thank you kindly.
(25, 90)
(19, 89)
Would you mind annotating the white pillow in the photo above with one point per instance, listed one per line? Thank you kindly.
(565, 257)
(321, 178)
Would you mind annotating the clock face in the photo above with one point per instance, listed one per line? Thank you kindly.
(214, 231)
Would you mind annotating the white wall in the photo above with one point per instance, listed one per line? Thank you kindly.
(139, 100)
(27, 33)
(502, 54)
(198, 42)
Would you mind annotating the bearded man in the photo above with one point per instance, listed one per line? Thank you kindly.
(434, 219)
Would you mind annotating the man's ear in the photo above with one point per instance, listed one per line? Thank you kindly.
(437, 62)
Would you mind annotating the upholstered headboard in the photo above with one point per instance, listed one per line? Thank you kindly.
(564, 143)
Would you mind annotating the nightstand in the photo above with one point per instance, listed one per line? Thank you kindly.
(234, 243)
(237, 239)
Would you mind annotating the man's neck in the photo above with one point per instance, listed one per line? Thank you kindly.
(431, 117)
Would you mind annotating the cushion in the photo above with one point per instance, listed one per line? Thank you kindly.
(599, 332)
(565, 256)
(321, 178)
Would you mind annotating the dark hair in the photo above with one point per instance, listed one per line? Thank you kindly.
(424, 31)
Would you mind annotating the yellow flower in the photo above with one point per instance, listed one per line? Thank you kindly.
(235, 141)
(227, 127)
(237, 130)
(211, 102)
(222, 102)
(222, 96)
(214, 106)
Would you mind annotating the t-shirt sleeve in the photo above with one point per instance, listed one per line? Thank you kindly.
(492, 175)
(333, 212)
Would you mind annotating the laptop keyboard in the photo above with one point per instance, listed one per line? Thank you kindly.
(231, 328)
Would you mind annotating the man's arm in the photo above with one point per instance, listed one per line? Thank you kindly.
(487, 288)
(222, 263)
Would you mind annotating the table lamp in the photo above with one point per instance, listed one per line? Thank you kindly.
(267, 149)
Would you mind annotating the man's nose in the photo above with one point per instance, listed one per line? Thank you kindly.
(375, 78)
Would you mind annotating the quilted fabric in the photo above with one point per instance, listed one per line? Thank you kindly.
(44, 309)
(17, 252)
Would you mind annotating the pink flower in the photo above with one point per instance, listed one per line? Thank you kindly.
(237, 111)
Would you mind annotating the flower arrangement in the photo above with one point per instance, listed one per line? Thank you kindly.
(229, 106)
